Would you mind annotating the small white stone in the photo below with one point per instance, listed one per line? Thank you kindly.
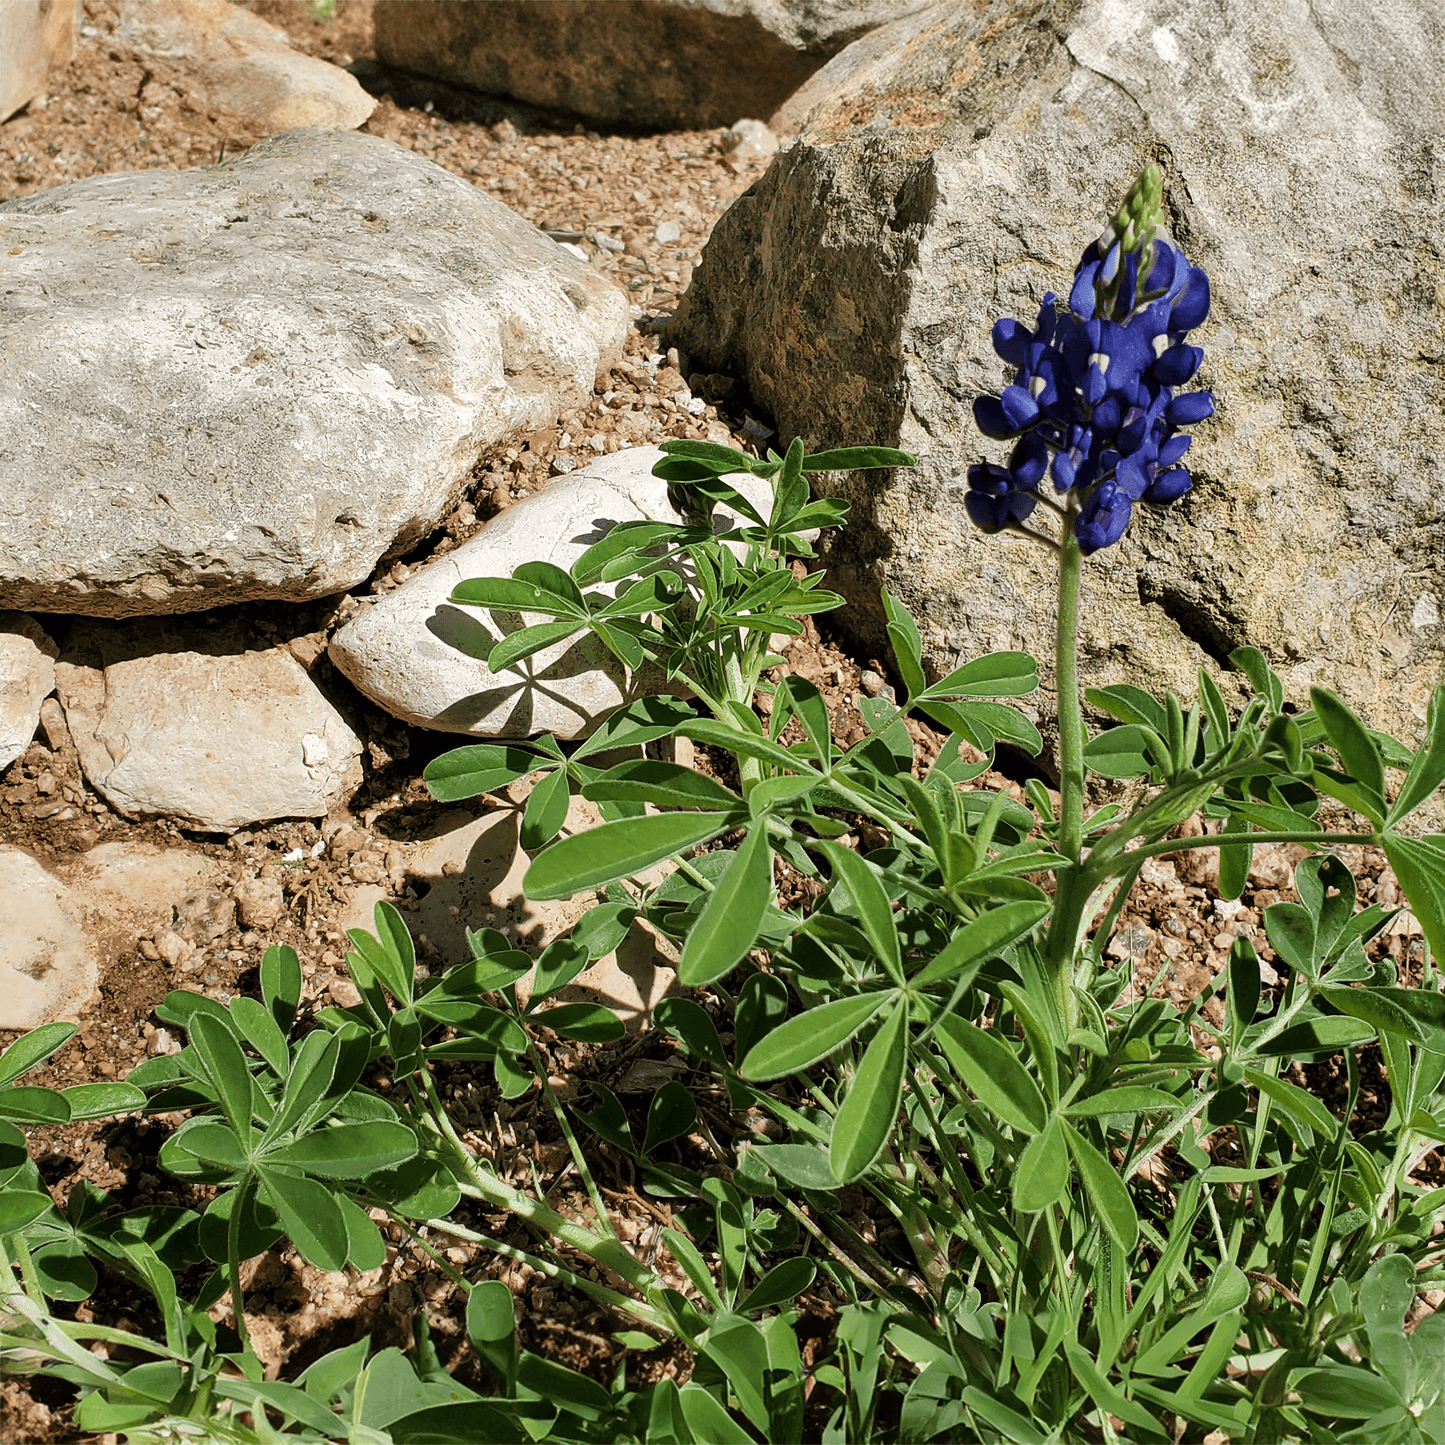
(1426, 613)
(313, 750)
(667, 233)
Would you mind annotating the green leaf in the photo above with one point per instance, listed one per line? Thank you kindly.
(803, 1040)
(559, 964)
(348, 1151)
(1244, 982)
(869, 1111)
(509, 595)
(1353, 743)
(907, 644)
(802, 1165)
(551, 579)
(1292, 932)
(481, 768)
(730, 919)
(1420, 866)
(609, 1121)
(281, 984)
(985, 936)
(1346, 1390)
(1427, 772)
(667, 785)
(1041, 1176)
(870, 902)
(782, 1283)
(546, 811)
(746, 745)
(390, 953)
(991, 1069)
(32, 1048)
(857, 459)
(1106, 1190)
(1297, 1102)
(19, 1207)
(259, 1026)
(811, 710)
(1372, 1008)
(1317, 1038)
(1122, 1099)
(1129, 751)
(624, 540)
(100, 1101)
(685, 1252)
(708, 1421)
(589, 1022)
(603, 855)
(999, 674)
(528, 641)
(1250, 661)
(671, 1114)
(32, 1104)
(226, 1065)
(215, 1144)
(309, 1215)
(687, 1020)
(1129, 704)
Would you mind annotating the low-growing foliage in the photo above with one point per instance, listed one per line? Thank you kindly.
(1118, 1220)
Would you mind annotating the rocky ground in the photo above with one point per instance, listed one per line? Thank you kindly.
(641, 208)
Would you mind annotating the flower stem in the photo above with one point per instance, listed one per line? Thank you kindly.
(1070, 898)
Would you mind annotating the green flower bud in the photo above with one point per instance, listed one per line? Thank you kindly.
(1138, 217)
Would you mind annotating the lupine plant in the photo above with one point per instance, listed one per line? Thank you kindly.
(1093, 1215)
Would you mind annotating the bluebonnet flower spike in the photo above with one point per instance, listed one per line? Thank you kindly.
(1094, 401)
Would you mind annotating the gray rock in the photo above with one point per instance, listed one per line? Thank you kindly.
(670, 64)
(190, 723)
(48, 967)
(959, 175)
(35, 37)
(255, 380)
(247, 67)
(27, 678)
(397, 651)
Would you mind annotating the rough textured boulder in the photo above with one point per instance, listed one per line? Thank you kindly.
(27, 678)
(247, 67)
(956, 175)
(35, 35)
(255, 380)
(194, 724)
(672, 64)
(397, 652)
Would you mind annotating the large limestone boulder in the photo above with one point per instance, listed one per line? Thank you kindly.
(255, 380)
(201, 725)
(956, 175)
(402, 651)
(668, 64)
(247, 67)
(36, 36)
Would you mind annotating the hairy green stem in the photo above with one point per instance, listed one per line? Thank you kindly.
(1072, 888)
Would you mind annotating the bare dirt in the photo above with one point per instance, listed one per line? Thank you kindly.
(116, 109)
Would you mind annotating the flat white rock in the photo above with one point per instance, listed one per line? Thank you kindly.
(396, 651)
(193, 724)
(27, 678)
(257, 379)
(48, 966)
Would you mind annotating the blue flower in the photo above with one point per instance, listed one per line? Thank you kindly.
(1094, 399)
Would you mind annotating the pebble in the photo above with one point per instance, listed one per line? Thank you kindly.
(668, 233)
